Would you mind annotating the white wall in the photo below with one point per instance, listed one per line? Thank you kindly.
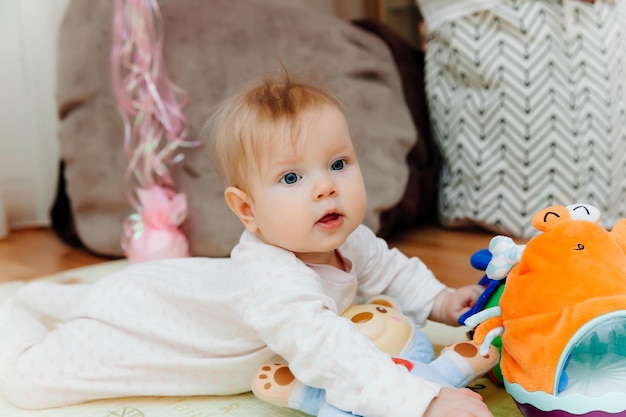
(28, 122)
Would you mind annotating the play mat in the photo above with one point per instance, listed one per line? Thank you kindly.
(211, 406)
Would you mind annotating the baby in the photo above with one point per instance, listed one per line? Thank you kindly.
(202, 326)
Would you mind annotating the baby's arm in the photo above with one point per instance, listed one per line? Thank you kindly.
(454, 402)
(326, 350)
(449, 305)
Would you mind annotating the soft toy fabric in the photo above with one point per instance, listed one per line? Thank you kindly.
(392, 332)
(153, 232)
(572, 273)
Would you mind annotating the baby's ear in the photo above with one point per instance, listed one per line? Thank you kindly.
(386, 301)
(240, 203)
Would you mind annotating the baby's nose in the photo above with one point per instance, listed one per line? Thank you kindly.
(325, 187)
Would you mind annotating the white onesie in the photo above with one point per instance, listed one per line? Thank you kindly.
(204, 326)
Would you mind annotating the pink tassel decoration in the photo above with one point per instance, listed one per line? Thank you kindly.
(155, 129)
(155, 233)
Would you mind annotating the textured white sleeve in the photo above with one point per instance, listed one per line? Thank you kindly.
(387, 394)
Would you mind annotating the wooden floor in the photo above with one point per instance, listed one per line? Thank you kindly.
(32, 253)
(446, 252)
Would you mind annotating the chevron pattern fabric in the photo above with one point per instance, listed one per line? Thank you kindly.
(528, 107)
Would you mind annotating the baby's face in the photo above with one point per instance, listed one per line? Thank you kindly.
(310, 196)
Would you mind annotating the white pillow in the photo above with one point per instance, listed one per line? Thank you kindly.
(528, 107)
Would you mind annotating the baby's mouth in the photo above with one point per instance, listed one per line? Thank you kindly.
(330, 217)
(330, 221)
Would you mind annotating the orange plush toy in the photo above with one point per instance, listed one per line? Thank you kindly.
(572, 273)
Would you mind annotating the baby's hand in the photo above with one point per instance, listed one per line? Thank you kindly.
(453, 402)
(450, 305)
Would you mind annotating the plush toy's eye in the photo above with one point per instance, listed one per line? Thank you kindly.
(382, 310)
(585, 212)
(579, 246)
(546, 217)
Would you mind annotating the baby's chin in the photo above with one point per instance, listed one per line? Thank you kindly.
(316, 250)
(319, 252)
(319, 240)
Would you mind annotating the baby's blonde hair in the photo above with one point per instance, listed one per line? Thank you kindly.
(242, 129)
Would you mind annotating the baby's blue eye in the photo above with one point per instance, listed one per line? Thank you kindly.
(338, 165)
(290, 178)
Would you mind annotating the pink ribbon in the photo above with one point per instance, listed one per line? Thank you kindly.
(155, 129)
(154, 232)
